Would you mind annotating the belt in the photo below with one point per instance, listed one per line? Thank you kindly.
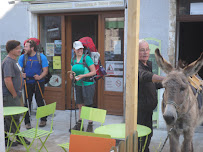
(30, 78)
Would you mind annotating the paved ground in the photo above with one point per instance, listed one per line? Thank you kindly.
(62, 125)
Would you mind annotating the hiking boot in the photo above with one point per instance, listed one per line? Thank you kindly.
(13, 144)
(42, 123)
(19, 142)
(90, 127)
(78, 125)
(28, 126)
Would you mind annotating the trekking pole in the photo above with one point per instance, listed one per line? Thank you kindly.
(41, 92)
(72, 86)
(75, 103)
(28, 105)
(74, 94)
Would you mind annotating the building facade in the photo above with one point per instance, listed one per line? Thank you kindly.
(58, 23)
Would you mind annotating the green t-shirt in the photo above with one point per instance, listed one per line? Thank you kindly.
(80, 69)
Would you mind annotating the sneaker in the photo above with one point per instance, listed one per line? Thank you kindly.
(42, 123)
(13, 144)
(78, 125)
(28, 126)
(90, 127)
(19, 142)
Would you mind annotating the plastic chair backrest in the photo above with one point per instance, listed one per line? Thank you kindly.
(76, 132)
(90, 144)
(46, 110)
(93, 114)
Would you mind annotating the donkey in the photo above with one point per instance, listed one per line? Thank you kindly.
(180, 106)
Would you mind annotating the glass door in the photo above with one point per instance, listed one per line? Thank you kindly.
(112, 36)
(114, 30)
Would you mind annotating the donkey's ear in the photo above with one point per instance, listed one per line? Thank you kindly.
(194, 67)
(162, 63)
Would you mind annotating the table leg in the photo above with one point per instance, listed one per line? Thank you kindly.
(17, 130)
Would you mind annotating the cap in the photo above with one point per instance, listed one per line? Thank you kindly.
(77, 45)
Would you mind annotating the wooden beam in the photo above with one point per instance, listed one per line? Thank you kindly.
(132, 67)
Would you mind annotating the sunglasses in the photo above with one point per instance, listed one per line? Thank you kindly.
(31, 42)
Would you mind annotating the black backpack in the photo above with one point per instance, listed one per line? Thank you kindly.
(48, 76)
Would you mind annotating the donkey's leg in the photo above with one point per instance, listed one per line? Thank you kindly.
(174, 142)
(187, 145)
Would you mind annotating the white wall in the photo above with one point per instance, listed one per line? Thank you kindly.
(14, 22)
(154, 22)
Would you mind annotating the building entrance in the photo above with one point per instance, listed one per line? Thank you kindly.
(190, 42)
(76, 28)
(57, 34)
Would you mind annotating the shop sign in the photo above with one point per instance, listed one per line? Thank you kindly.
(86, 5)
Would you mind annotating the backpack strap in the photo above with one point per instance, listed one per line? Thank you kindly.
(72, 60)
(25, 61)
(84, 62)
(39, 58)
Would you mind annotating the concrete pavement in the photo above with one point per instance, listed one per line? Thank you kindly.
(61, 133)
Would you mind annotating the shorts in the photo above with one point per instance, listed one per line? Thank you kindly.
(85, 96)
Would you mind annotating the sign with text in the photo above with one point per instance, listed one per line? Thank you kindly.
(114, 68)
(113, 84)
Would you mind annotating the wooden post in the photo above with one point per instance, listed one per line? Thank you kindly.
(132, 68)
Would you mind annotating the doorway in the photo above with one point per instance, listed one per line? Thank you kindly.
(190, 42)
(107, 31)
(78, 26)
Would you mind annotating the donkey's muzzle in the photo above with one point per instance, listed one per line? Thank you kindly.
(169, 119)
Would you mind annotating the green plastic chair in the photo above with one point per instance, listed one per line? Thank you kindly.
(65, 146)
(88, 113)
(93, 114)
(36, 133)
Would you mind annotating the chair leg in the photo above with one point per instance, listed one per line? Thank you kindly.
(24, 143)
(64, 149)
(43, 143)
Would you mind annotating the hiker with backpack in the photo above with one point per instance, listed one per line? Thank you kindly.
(83, 67)
(35, 68)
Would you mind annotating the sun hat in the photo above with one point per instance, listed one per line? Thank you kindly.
(77, 45)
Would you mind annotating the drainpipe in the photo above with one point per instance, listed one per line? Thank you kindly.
(172, 32)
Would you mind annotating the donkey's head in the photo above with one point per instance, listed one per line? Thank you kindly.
(176, 95)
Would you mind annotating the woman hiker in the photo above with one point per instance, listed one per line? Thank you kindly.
(84, 69)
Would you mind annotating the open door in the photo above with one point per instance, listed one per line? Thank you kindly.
(78, 26)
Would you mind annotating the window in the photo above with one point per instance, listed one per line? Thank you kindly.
(114, 38)
(50, 38)
(184, 6)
